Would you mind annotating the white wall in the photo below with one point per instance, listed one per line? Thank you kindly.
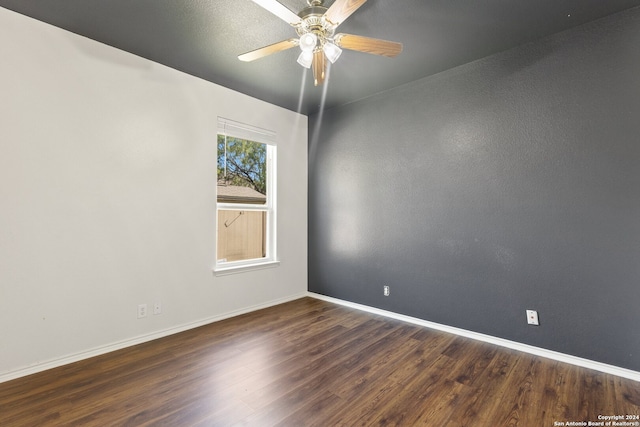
(107, 198)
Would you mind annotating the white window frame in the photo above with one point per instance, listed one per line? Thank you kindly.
(243, 131)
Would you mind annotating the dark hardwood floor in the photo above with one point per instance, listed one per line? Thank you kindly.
(312, 363)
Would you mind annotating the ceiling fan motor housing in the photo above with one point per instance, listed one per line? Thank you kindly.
(313, 21)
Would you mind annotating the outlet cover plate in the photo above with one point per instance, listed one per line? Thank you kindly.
(142, 311)
(532, 317)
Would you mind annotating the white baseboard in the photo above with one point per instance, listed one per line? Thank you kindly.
(549, 354)
(11, 375)
(578, 361)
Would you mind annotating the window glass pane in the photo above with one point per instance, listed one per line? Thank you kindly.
(242, 171)
(241, 235)
(246, 205)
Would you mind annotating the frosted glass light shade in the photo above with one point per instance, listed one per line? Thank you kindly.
(331, 51)
(306, 58)
(308, 42)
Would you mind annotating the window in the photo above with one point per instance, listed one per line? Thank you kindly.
(246, 160)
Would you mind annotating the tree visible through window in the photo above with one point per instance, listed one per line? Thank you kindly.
(244, 200)
(242, 163)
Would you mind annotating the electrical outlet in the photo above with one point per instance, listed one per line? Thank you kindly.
(157, 308)
(532, 317)
(142, 311)
(386, 291)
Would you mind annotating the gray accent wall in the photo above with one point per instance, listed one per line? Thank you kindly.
(507, 184)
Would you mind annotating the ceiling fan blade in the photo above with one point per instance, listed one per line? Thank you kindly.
(368, 45)
(280, 11)
(319, 67)
(268, 50)
(341, 10)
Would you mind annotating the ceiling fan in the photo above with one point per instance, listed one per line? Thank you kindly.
(316, 26)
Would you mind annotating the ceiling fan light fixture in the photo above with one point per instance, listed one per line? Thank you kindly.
(308, 42)
(306, 58)
(331, 51)
(315, 27)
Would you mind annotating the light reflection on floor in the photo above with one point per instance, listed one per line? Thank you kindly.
(256, 368)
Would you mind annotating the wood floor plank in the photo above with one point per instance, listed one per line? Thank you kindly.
(315, 411)
(490, 388)
(312, 363)
(309, 378)
(298, 371)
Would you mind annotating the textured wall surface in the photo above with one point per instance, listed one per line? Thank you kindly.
(107, 198)
(506, 184)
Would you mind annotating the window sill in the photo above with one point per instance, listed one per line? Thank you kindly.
(234, 269)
